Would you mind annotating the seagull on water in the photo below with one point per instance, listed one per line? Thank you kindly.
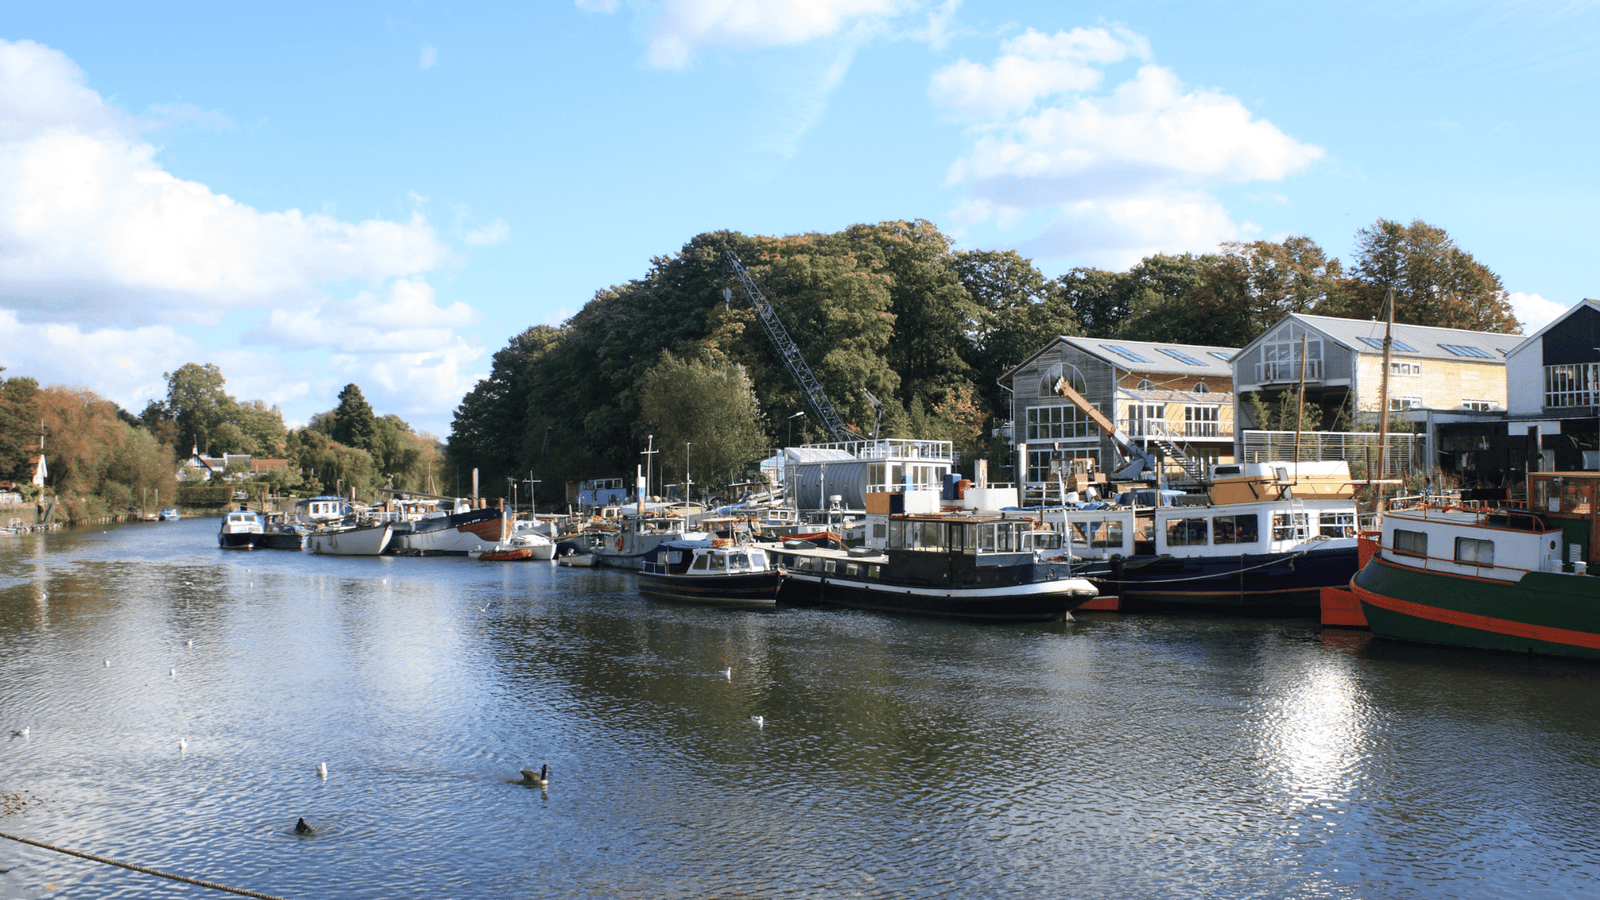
(728, 673)
(322, 769)
(183, 746)
(761, 721)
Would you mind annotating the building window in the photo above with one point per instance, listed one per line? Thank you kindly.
(1474, 552)
(1200, 421)
(1398, 404)
(1410, 543)
(1280, 360)
(1200, 387)
(1186, 532)
(1478, 405)
(1145, 385)
(1146, 420)
(1039, 460)
(1053, 423)
(1124, 352)
(1047, 384)
(1570, 385)
(1405, 368)
(1181, 356)
(1377, 344)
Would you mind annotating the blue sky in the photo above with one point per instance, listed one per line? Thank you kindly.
(310, 195)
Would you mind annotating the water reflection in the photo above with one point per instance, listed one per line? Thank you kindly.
(1119, 756)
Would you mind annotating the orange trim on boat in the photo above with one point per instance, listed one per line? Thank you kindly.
(1480, 623)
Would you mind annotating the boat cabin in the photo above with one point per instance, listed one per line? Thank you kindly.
(1502, 545)
(706, 558)
(1567, 501)
(321, 510)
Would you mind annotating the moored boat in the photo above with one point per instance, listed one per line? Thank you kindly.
(170, 514)
(278, 533)
(241, 530)
(1268, 538)
(624, 545)
(353, 540)
(722, 573)
(970, 565)
(430, 531)
(1493, 579)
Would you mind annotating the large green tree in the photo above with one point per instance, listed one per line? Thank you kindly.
(196, 405)
(354, 425)
(705, 419)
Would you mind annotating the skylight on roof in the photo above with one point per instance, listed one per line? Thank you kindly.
(1125, 353)
(1464, 350)
(1180, 356)
(1377, 344)
(1225, 357)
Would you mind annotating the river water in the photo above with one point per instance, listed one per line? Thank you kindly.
(1110, 756)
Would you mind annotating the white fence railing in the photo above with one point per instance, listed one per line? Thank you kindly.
(1407, 452)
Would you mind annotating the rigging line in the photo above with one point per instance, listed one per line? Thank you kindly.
(111, 862)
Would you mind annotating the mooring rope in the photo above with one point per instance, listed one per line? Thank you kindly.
(111, 862)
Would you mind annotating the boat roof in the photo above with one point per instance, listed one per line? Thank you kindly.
(686, 544)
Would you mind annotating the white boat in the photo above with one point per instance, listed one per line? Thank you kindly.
(1269, 539)
(167, 515)
(241, 530)
(522, 545)
(634, 536)
(356, 540)
(576, 560)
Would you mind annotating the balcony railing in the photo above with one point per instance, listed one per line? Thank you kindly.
(1160, 428)
(1276, 372)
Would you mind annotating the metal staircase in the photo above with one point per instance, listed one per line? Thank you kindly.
(1192, 467)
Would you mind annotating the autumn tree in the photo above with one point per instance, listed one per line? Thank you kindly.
(1435, 282)
(19, 426)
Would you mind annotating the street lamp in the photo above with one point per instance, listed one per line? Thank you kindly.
(791, 427)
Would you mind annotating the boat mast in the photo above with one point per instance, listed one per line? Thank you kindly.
(1383, 403)
(1300, 406)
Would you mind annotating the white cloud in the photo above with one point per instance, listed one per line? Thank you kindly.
(430, 57)
(495, 232)
(1534, 311)
(106, 256)
(680, 29)
(1121, 172)
(1033, 66)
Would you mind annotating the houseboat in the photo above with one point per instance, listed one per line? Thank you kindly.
(1507, 579)
(718, 572)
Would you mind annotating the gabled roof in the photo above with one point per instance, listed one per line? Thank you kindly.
(1365, 336)
(1581, 304)
(1144, 356)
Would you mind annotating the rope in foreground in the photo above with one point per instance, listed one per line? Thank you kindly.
(111, 862)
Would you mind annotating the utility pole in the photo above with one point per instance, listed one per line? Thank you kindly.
(687, 483)
(649, 456)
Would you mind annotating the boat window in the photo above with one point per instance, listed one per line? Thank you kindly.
(700, 564)
(872, 571)
(828, 566)
(1106, 534)
(1577, 496)
(986, 537)
(1474, 552)
(1186, 532)
(960, 536)
(897, 533)
(1410, 543)
(739, 561)
(1338, 524)
(1286, 529)
(879, 530)
(758, 559)
(930, 538)
(1047, 540)
(1237, 529)
(852, 569)
(718, 561)
(1005, 537)
(674, 557)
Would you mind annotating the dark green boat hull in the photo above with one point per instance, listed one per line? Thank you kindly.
(1545, 613)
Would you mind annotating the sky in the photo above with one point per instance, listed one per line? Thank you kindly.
(309, 195)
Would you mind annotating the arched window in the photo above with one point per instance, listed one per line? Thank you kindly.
(1200, 388)
(1145, 385)
(1047, 384)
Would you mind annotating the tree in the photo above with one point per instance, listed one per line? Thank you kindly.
(1018, 312)
(196, 403)
(708, 403)
(19, 426)
(354, 425)
(1434, 281)
(1099, 299)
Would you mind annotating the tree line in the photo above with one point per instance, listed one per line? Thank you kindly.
(104, 460)
(893, 310)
